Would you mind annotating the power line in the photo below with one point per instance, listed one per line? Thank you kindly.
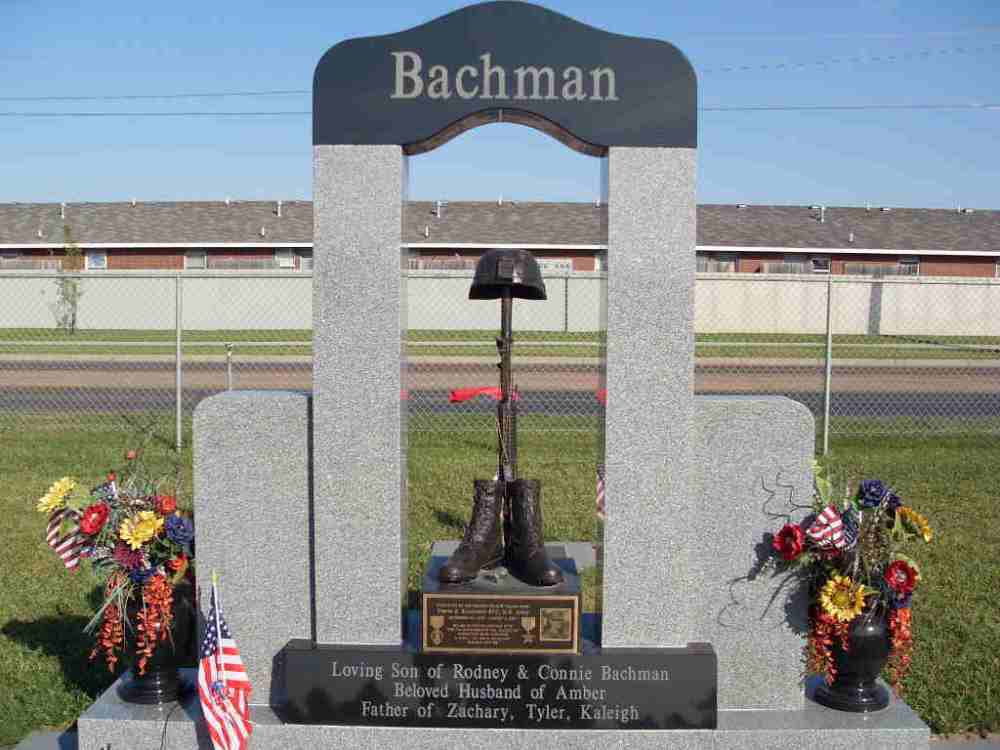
(857, 59)
(155, 114)
(738, 108)
(844, 107)
(141, 97)
(780, 66)
(770, 35)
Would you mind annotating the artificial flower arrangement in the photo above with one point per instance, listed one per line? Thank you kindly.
(138, 543)
(850, 551)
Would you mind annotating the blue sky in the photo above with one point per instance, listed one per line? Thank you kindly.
(853, 52)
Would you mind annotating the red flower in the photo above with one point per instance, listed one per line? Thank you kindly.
(112, 476)
(901, 577)
(94, 517)
(789, 542)
(165, 505)
(178, 562)
(130, 456)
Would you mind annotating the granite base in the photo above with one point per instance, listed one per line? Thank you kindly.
(111, 724)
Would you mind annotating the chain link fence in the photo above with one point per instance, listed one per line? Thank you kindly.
(869, 356)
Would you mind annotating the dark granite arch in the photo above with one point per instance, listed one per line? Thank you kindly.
(509, 61)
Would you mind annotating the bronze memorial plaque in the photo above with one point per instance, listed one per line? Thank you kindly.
(463, 623)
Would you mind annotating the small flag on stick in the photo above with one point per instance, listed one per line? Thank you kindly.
(827, 531)
(68, 545)
(601, 510)
(223, 686)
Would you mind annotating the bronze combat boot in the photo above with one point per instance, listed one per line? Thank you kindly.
(525, 554)
(482, 545)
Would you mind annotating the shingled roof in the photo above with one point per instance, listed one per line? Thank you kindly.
(485, 223)
(158, 223)
(508, 223)
(846, 227)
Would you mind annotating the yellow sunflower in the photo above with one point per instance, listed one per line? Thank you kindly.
(842, 598)
(140, 529)
(916, 522)
(56, 496)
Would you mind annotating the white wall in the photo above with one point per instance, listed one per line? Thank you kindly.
(724, 303)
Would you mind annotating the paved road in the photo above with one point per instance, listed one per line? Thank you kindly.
(886, 389)
(886, 404)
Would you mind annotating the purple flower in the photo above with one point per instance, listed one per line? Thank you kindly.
(900, 601)
(872, 492)
(141, 575)
(893, 502)
(180, 530)
(127, 558)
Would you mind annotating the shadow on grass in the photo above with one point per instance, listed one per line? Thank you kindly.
(450, 519)
(63, 638)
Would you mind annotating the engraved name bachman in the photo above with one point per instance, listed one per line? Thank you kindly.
(495, 82)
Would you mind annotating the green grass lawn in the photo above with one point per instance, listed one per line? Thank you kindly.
(463, 343)
(46, 681)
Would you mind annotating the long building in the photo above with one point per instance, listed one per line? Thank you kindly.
(249, 235)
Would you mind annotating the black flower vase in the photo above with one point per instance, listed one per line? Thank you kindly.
(855, 688)
(161, 682)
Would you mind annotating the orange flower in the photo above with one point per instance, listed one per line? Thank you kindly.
(111, 634)
(901, 632)
(154, 619)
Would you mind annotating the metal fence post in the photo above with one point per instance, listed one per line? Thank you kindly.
(566, 303)
(229, 367)
(178, 358)
(829, 363)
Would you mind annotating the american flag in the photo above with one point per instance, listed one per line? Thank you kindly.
(827, 531)
(601, 513)
(223, 686)
(67, 546)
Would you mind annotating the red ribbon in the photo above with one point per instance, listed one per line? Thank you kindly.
(458, 395)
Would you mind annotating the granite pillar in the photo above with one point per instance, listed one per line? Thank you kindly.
(752, 459)
(251, 505)
(650, 386)
(359, 438)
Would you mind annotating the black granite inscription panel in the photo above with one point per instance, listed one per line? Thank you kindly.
(609, 689)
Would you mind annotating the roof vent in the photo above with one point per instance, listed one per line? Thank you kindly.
(227, 201)
(500, 200)
(278, 211)
(868, 206)
(742, 206)
(438, 208)
(40, 233)
(263, 231)
(850, 237)
(427, 231)
(133, 203)
(966, 210)
(62, 210)
(885, 209)
(597, 203)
